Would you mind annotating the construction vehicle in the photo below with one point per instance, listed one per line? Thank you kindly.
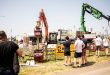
(39, 52)
(62, 33)
(38, 29)
(48, 38)
(52, 38)
(94, 12)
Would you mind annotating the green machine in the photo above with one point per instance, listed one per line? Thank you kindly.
(94, 12)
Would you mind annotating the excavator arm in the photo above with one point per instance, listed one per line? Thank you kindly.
(93, 11)
(42, 19)
(38, 33)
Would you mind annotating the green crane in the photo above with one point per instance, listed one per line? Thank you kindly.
(93, 11)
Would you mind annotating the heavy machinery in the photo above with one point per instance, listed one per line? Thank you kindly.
(39, 52)
(47, 38)
(52, 39)
(94, 12)
(38, 30)
(62, 33)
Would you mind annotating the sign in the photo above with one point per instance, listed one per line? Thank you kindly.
(37, 33)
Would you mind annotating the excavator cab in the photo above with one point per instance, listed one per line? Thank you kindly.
(52, 38)
(37, 30)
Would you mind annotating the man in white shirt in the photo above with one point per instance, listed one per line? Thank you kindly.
(79, 45)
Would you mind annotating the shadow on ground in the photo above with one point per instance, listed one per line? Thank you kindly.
(87, 64)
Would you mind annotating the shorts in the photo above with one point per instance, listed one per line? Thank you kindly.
(98, 48)
(105, 46)
(67, 53)
(83, 52)
(77, 55)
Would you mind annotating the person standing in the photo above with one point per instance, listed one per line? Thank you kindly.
(7, 51)
(79, 45)
(84, 58)
(106, 44)
(98, 43)
(67, 53)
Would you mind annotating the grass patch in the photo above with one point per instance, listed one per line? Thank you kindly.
(52, 66)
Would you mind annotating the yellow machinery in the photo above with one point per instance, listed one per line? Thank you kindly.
(59, 51)
(60, 48)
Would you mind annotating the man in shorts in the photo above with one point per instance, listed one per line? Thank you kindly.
(84, 59)
(67, 53)
(79, 45)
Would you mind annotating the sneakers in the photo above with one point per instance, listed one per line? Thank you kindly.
(67, 64)
(76, 66)
(83, 65)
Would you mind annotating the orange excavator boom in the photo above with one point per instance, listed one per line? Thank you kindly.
(42, 18)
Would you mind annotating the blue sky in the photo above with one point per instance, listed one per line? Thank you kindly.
(20, 16)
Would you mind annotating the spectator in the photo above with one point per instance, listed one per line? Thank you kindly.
(106, 44)
(84, 59)
(67, 51)
(98, 43)
(7, 51)
(79, 45)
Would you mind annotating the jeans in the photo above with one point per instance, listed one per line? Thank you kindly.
(6, 72)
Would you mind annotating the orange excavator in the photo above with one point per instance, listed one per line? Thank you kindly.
(39, 52)
(37, 30)
(50, 38)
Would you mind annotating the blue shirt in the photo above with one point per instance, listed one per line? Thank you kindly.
(67, 45)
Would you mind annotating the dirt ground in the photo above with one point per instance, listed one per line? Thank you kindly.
(102, 68)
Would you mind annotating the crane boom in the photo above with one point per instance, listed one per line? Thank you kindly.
(94, 12)
(42, 19)
(38, 32)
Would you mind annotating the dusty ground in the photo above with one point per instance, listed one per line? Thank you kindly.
(102, 68)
